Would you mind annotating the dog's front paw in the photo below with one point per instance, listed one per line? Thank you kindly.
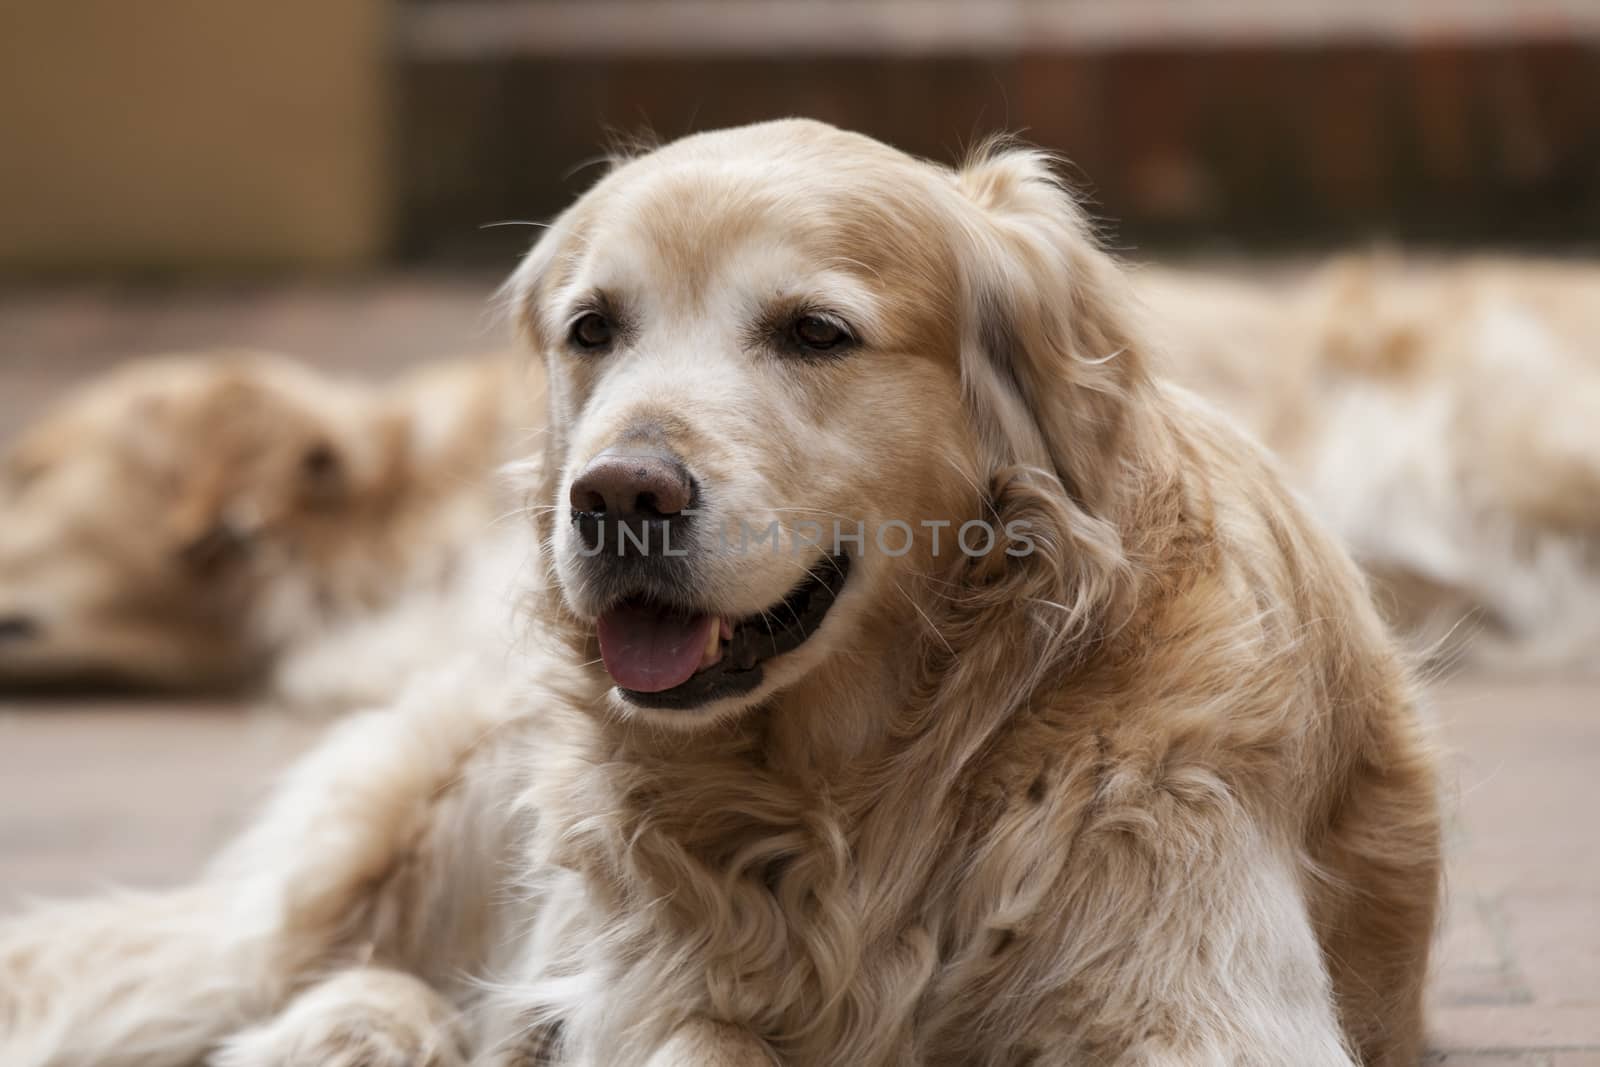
(360, 1018)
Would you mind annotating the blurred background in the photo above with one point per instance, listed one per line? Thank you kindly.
(185, 136)
(327, 178)
(320, 144)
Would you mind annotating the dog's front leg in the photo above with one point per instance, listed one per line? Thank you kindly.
(134, 980)
(361, 1017)
(383, 843)
(1242, 982)
(700, 1042)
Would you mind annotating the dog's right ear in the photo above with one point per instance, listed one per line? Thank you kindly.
(545, 266)
(520, 294)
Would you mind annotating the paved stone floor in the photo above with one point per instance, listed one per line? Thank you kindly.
(100, 792)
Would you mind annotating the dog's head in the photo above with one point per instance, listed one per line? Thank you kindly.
(170, 522)
(791, 370)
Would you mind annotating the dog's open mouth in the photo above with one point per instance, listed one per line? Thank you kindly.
(662, 655)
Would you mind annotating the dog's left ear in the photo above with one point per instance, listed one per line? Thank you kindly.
(1050, 359)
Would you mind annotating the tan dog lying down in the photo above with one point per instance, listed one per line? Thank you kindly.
(1441, 418)
(183, 521)
(1135, 780)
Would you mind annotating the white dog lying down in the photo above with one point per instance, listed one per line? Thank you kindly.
(1122, 769)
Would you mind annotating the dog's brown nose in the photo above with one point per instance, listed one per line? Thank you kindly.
(639, 496)
(623, 485)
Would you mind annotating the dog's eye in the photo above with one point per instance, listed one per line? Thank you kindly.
(321, 474)
(819, 334)
(320, 463)
(19, 627)
(591, 331)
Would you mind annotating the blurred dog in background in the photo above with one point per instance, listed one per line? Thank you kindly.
(183, 522)
(1441, 418)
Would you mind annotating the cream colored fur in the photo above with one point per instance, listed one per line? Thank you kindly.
(1440, 419)
(1155, 794)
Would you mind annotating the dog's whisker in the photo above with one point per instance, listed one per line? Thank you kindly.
(932, 627)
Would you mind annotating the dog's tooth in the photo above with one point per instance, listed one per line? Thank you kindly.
(713, 650)
(725, 628)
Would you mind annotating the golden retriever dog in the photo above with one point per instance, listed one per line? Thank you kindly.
(1075, 741)
(181, 522)
(1440, 418)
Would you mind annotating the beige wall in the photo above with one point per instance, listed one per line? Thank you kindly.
(192, 133)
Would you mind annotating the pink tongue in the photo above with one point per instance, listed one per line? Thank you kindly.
(647, 651)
